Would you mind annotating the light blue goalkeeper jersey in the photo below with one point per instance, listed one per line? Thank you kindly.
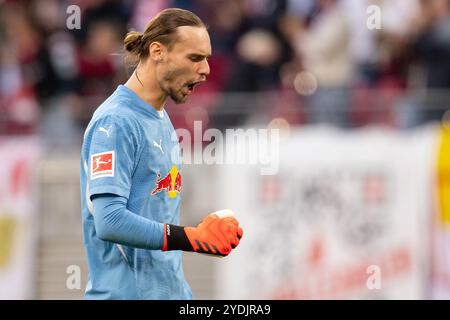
(131, 150)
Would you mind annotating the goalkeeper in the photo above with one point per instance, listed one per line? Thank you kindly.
(130, 171)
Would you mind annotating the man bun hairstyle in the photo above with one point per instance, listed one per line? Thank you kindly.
(133, 42)
(161, 28)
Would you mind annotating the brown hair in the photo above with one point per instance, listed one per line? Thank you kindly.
(162, 29)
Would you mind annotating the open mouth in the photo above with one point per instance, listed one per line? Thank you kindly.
(192, 85)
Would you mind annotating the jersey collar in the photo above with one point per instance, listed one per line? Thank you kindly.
(140, 104)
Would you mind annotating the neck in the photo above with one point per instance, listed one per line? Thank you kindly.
(147, 88)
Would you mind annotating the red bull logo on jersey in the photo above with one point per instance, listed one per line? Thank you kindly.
(171, 183)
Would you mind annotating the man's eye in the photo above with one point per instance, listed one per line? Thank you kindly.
(195, 59)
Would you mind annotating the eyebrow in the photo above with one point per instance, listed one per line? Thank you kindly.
(199, 55)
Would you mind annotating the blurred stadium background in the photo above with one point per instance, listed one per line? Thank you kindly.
(360, 206)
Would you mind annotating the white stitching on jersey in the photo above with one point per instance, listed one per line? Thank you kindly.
(121, 251)
(88, 199)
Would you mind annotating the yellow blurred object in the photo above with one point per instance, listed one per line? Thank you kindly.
(7, 232)
(443, 176)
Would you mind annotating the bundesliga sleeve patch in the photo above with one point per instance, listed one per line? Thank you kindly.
(102, 165)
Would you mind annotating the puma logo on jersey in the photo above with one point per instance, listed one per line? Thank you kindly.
(158, 145)
(101, 129)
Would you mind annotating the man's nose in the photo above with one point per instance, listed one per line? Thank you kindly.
(204, 68)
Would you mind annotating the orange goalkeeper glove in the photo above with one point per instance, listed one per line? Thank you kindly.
(217, 234)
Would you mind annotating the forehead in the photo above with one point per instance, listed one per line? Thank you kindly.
(193, 39)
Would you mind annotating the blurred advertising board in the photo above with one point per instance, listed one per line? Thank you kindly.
(18, 221)
(347, 216)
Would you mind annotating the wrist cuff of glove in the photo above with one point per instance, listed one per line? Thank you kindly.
(175, 238)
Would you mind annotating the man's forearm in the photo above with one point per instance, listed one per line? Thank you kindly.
(115, 223)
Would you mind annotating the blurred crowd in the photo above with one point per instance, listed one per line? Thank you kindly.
(306, 61)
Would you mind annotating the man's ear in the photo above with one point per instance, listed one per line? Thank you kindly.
(156, 51)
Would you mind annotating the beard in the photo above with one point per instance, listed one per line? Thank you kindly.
(173, 88)
(177, 96)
